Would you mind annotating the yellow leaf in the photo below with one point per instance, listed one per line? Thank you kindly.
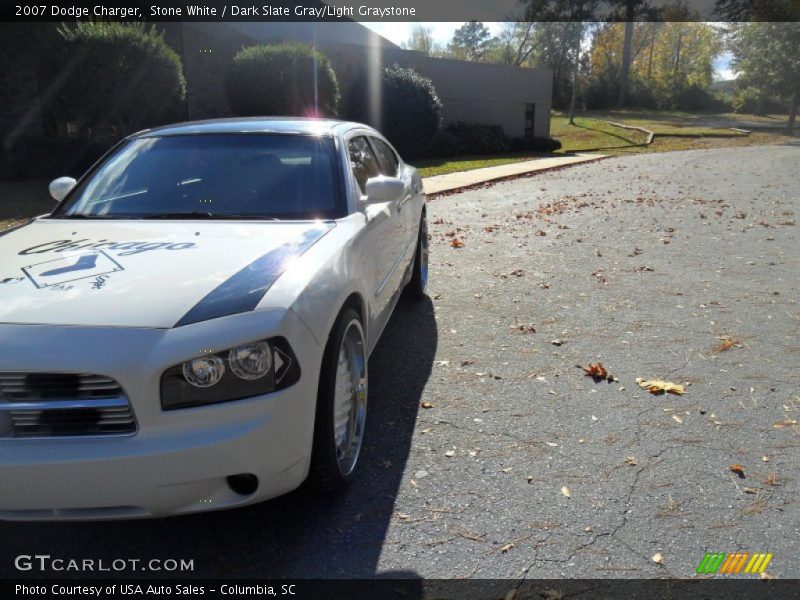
(658, 386)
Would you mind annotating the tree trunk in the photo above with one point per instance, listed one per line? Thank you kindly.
(652, 47)
(575, 66)
(626, 62)
(792, 113)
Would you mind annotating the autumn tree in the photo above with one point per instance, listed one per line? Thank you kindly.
(767, 57)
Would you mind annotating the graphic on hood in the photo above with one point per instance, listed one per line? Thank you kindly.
(71, 268)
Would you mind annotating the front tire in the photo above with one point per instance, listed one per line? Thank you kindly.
(419, 278)
(341, 406)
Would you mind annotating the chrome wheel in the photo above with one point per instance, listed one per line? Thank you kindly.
(350, 398)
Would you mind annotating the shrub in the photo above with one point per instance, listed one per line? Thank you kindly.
(410, 112)
(284, 79)
(461, 139)
(118, 76)
(535, 145)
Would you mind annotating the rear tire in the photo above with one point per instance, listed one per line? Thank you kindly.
(419, 278)
(341, 406)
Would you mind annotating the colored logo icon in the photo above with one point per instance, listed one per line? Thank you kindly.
(734, 564)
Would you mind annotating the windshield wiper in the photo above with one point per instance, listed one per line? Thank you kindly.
(209, 215)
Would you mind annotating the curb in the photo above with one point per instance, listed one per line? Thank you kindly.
(495, 180)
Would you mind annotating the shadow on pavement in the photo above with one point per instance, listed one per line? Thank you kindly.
(296, 536)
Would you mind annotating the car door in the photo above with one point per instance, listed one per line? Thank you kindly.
(381, 232)
(408, 218)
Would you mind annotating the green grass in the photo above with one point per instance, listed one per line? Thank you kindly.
(674, 131)
(430, 167)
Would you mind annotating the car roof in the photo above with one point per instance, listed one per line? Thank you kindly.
(291, 125)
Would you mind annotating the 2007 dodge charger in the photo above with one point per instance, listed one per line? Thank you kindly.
(190, 328)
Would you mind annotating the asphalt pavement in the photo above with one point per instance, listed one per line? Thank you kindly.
(490, 453)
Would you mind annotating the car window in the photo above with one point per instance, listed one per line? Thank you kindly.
(365, 165)
(387, 159)
(214, 175)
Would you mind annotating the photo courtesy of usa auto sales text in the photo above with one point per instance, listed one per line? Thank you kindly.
(97, 591)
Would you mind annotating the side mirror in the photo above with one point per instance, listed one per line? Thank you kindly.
(384, 189)
(60, 187)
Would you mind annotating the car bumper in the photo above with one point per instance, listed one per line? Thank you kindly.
(179, 460)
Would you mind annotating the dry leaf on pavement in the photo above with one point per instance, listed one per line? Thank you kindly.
(456, 243)
(657, 558)
(657, 386)
(597, 372)
(738, 469)
(566, 491)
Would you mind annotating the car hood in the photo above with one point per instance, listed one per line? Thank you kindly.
(143, 273)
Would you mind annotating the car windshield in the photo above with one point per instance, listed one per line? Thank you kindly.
(214, 176)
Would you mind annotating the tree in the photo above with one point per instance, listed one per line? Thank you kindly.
(573, 13)
(421, 40)
(630, 9)
(767, 56)
(514, 43)
(283, 79)
(471, 41)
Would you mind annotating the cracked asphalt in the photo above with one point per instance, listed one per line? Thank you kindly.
(490, 454)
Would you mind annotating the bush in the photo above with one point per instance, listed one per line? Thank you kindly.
(535, 145)
(286, 79)
(462, 139)
(119, 76)
(410, 112)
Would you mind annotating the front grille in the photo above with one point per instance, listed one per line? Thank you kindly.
(62, 404)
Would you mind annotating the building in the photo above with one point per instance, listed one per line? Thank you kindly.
(516, 98)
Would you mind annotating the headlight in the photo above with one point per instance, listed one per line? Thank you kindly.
(204, 372)
(251, 361)
(255, 368)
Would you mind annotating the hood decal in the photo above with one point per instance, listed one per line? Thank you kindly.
(244, 290)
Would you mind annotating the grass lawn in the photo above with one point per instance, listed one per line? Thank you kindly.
(674, 130)
(428, 167)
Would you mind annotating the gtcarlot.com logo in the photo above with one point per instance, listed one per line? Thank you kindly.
(45, 562)
(719, 563)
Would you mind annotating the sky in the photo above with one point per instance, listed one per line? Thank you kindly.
(443, 32)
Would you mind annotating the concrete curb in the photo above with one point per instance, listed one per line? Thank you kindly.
(501, 178)
(650, 134)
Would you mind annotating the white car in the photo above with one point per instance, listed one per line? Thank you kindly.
(190, 328)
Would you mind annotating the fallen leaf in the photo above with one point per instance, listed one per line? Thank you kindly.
(726, 344)
(566, 491)
(657, 386)
(456, 243)
(738, 469)
(426, 405)
(506, 548)
(657, 558)
(630, 461)
(597, 372)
